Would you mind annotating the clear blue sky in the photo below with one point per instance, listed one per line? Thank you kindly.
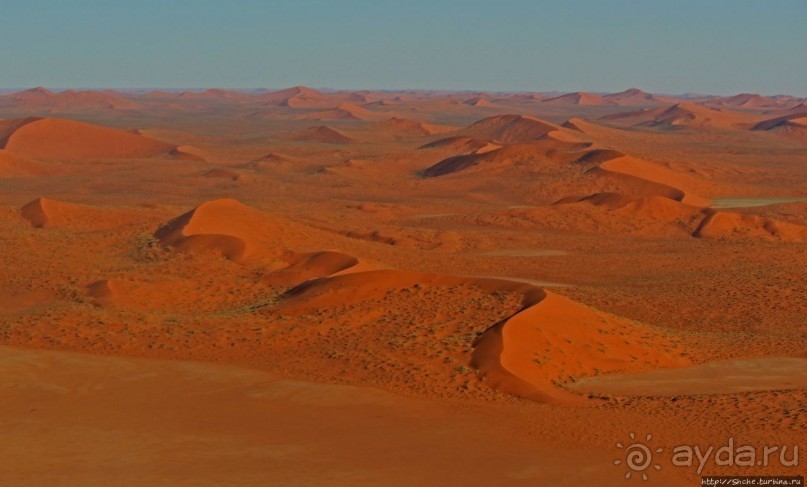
(671, 46)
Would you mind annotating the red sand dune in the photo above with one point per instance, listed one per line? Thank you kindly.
(323, 134)
(461, 144)
(580, 98)
(268, 161)
(311, 266)
(510, 129)
(479, 101)
(751, 101)
(495, 157)
(525, 354)
(688, 115)
(298, 97)
(696, 221)
(53, 138)
(409, 128)
(343, 111)
(654, 207)
(646, 171)
(46, 212)
(794, 123)
(637, 97)
(225, 227)
(724, 224)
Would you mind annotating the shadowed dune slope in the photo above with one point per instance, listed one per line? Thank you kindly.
(510, 129)
(322, 134)
(224, 226)
(683, 115)
(506, 352)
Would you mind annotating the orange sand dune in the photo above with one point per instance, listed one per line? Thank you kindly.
(637, 97)
(189, 153)
(343, 111)
(298, 97)
(553, 339)
(461, 144)
(696, 221)
(45, 212)
(322, 134)
(103, 292)
(580, 98)
(60, 139)
(311, 266)
(652, 208)
(479, 101)
(646, 171)
(409, 128)
(751, 101)
(794, 123)
(688, 115)
(724, 224)
(510, 129)
(525, 354)
(533, 154)
(225, 227)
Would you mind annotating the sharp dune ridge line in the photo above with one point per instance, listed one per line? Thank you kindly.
(323, 278)
(503, 353)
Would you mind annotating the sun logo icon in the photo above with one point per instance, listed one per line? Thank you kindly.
(638, 456)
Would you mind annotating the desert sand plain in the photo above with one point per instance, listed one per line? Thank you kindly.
(306, 287)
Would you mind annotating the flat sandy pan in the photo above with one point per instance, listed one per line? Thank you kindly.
(77, 419)
(726, 377)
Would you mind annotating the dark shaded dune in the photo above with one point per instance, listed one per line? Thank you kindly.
(610, 200)
(458, 143)
(186, 153)
(598, 156)
(510, 129)
(410, 128)
(40, 211)
(751, 101)
(453, 164)
(579, 98)
(505, 352)
(103, 292)
(683, 115)
(791, 123)
(632, 185)
(548, 149)
(322, 134)
(311, 266)
(637, 97)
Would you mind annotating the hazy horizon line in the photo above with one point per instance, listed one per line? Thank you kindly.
(390, 90)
